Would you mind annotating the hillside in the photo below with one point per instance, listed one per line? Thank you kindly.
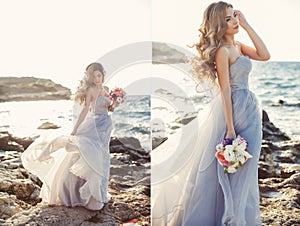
(30, 88)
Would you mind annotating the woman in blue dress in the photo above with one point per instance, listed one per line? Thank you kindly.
(195, 190)
(74, 169)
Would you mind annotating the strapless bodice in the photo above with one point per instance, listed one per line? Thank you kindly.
(101, 105)
(239, 73)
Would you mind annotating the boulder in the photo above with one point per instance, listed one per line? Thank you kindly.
(270, 131)
(48, 125)
(8, 142)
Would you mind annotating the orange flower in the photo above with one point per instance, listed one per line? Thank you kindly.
(222, 159)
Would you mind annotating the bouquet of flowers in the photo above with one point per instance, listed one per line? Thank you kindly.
(117, 95)
(232, 153)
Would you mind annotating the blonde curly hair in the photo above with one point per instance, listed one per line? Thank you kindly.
(212, 31)
(87, 81)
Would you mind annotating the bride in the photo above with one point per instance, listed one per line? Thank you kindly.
(191, 188)
(75, 169)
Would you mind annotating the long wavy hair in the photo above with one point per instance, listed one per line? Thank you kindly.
(88, 81)
(211, 37)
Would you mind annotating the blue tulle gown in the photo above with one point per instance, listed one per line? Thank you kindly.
(189, 186)
(75, 169)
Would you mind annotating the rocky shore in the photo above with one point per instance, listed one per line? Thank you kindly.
(30, 88)
(279, 177)
(279, 184)
(129, 186)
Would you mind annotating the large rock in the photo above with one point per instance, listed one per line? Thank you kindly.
(280, 200)
(270, 131)
(14, 180)
(9, 142)
(131, 150)
(129, 142)
(48, 125)
(58, 216)
(265, 170)
(163, 53)
(10, 205)
(156, 141)
(30, 88)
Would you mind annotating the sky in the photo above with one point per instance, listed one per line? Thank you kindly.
(275, 21)
(58, 39)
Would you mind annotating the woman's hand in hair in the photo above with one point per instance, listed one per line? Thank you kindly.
(242, 19)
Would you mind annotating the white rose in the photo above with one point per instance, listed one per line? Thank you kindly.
(229, 154)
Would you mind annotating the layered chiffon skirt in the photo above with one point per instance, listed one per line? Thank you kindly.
(74, 169)
(189, 186)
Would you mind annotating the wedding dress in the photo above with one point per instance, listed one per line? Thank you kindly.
(75, 169)
(189, 186)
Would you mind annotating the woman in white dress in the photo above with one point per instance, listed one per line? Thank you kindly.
(191, 188)
(74, 168)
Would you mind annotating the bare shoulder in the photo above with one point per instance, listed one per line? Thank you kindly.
(106, 90)
(222, 54)
(90, 91)
(222, 63)
(239, 45)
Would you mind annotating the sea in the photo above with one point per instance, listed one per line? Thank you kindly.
(175, 97)
(22, 118)
(276, 84)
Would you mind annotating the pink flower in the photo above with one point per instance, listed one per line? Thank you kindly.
(117, 94)
(222, 159)
(241, 139)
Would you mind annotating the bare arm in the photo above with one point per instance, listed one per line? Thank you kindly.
(260, 52)
(222, 65)
(106, 93)
(84, 112)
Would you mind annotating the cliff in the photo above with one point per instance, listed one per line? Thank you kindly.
(30, 88)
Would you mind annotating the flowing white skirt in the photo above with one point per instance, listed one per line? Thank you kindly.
(74, 169)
